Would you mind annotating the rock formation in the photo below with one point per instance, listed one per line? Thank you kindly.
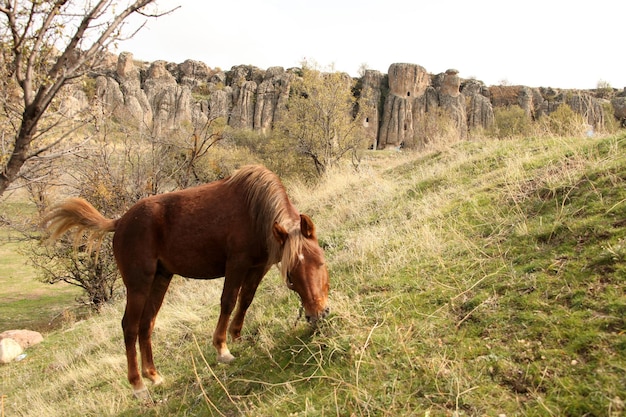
(453, 102)
(170, 102)
(399, 107)
(479, 109)
(619, 105)
(416, 100)
(373, 85)
(244, 97)
(541, 101)
(122, 94)
(404, 103)
(272, 97)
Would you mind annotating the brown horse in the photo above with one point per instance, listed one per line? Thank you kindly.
(235, 228)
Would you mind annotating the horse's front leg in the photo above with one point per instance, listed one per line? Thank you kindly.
(246, 295)
(227, 304)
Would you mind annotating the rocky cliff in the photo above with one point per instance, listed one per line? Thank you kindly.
(160, 96)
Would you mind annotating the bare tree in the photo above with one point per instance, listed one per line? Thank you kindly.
(320, 120)
(43, 46)
(186, 152)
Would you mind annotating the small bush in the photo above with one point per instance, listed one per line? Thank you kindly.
(510, 122)
(611, 124)
(89, 87)
(564, 122)
(274, 151)
(435, 126)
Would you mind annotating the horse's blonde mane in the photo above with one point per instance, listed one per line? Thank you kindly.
(293, 250)
(268, 203)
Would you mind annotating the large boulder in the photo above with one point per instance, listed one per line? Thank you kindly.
(9, 350)
(26, 338)
(408, 80)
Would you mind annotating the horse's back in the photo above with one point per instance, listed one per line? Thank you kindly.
(190, 232)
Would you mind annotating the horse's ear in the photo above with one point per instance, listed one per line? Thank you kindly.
(280, 233)
(307, 227)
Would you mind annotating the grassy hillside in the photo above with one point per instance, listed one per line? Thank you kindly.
(481, 278)
(24, 301)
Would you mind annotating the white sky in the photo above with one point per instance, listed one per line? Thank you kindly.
(549, 43)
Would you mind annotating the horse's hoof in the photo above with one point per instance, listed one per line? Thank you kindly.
(225, 358)
(142, 394)
(157, 380)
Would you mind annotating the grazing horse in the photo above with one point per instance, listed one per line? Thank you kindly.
(235, 228)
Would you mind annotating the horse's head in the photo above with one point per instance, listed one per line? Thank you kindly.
(303, 267)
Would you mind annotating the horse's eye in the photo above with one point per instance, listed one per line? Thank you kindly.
(289, 281)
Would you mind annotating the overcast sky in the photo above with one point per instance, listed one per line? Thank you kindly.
(549, 43)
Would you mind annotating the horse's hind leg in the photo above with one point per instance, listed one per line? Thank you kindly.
(139, 293)
(135, 302)
(146, 325)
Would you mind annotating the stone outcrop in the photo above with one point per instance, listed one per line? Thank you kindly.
(542, 101)
(220, 103)
(479, 109)
(404, 103)
(619, 105)
(414, 103)
(272, 97)
(453, 102)
(507, 96)
(373, 84)
(400, 107)
(244, 97)
(122, 94)
(170, 102)
(586, 105)
(192, 73)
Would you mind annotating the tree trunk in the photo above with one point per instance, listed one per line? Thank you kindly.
(19, 154)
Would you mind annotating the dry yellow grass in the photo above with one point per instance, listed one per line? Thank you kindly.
(448, 298)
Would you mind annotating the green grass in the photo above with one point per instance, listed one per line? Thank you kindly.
(479, 278)
(26, 302)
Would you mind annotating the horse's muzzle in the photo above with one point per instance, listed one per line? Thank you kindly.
(313, 319)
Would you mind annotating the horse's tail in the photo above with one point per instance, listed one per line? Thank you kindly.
(79, 214)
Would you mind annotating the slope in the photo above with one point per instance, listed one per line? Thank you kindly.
(479, 278)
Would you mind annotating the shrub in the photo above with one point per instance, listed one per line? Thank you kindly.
(434, 127)
(274, 151)
(564, 122)
(611, 124)
(95, 272)
(510, 122)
